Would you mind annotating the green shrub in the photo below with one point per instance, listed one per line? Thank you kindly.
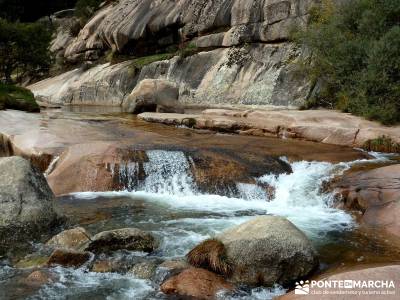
(24, 50)
(146, 60)
(355, 58)
(14, 97)
(382, 144)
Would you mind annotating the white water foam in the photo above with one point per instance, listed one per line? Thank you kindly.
(168, 172)
(169, 185)
(75, 283)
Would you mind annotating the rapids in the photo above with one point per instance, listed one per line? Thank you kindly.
(168, 203)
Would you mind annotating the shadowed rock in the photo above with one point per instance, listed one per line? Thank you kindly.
(197, 283)
(72, 239)
(69, 258)
(210, 254)
(127, 238)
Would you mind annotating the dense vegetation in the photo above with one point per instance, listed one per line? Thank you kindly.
(23, 50)
(30, 10)
(14, 97)
(356, 57)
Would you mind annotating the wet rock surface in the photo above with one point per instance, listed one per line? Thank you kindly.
(69, 258)
(376, 193)
(197, 283)
(322, 126)
(127, 238)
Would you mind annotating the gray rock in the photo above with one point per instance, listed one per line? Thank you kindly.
(144, 270)
(127, 238)
(268, 250)
(119, 25)
(242, 70)
(27, 204)
(153, 95)
(100, 85)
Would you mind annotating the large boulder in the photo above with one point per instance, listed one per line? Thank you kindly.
(153, 95)
(126, 238)
(376, 193)
(27, 204)
(268, 250)
(263, 251)
(197, 283)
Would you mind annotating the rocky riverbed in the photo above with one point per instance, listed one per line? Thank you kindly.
(147, 211)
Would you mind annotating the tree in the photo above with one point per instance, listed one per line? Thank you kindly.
(30, 11)
(23, 49)
(356, 57)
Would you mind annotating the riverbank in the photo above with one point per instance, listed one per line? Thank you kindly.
(322, 126)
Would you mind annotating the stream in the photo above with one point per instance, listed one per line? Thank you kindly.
(169, 204)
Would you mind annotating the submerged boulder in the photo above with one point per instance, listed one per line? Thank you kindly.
(69, 258)
(27, 204)
(127, 238)
(72, 239)
(263, 251)
(197, 283)
(153, 95)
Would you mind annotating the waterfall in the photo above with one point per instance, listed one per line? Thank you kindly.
(168, 172)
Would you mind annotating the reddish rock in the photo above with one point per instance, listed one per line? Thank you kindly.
(376, 193)
(69, 258)
(38, 278)
(197, 283)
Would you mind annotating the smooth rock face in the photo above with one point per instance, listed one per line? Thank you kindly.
(27, 205)
(376, 193)
(257, 74)
(381, 273)
(235, 63)
(160, 23)
(127, 238)
(268, 250)
(100, 85)
(323, 126)
(72, 239)
(197, 283)
(153, 95)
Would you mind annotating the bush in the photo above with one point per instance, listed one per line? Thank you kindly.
(355, 58)
(19, 98)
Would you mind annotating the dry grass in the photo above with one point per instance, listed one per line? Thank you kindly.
(211, 255)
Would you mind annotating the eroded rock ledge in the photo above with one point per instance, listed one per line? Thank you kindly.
(324, 126)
